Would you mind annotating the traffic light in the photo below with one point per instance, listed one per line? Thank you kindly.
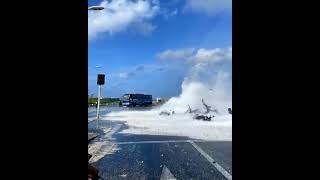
(100, 80)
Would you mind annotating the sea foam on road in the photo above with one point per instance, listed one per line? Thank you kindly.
(151, 123)
(207, 83)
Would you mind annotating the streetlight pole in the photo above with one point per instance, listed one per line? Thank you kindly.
(100, 76)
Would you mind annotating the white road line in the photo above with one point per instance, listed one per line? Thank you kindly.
(151, 142)
(166, 174)
(212, 161)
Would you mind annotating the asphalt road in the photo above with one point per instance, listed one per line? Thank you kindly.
(161, 157)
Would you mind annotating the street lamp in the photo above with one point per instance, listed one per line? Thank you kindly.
(96, 8)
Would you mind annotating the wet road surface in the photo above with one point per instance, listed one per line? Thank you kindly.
(160, 157)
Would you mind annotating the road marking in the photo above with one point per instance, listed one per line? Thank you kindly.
(212, 161)
(152, 142)
(166, 174)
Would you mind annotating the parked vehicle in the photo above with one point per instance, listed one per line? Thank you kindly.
(132, 100)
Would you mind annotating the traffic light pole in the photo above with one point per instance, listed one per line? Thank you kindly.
(98, 107)
(100, 81)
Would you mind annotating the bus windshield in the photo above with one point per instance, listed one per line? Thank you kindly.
(126, 97)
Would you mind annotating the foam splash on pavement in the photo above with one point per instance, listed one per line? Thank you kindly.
(179, 124)
(103, 146)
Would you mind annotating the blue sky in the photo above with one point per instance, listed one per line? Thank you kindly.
(127, 41)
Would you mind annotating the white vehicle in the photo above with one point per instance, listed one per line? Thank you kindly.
(158, 100)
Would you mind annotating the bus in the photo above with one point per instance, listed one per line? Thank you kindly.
(132, 100)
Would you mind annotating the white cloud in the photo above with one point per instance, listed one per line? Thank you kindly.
(210, 7)
(134, 71)
(200, 60)
(118, 15)
(213, 56)
(120, 75)
(199, 57)
(123, 75)
(180, 54)
(144, 28)
(167, 14)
